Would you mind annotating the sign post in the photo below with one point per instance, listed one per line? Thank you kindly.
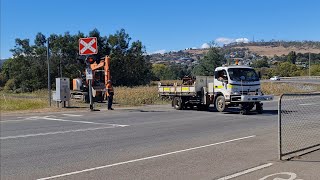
(88, 46)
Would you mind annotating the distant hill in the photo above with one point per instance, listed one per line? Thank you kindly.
(268, 49)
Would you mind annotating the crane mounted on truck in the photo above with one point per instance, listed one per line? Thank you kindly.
(101, 75)
(231, 86)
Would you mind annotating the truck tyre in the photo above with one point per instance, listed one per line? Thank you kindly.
(220, 103)
(259, 107)
(177, 103)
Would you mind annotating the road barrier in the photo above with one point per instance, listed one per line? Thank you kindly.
(298, 124)
(301, 77)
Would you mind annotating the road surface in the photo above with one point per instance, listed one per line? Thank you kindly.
(151, 142)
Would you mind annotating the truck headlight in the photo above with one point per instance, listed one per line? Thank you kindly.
(236, 93)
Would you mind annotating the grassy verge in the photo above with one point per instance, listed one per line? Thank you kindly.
(125, 96)
(23, 101)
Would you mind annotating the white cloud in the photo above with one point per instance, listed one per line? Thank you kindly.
(224, 40)
(242, 40)
(161, 51)
(205, 46)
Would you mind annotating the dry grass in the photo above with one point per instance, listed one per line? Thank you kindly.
(23, 101)
(140, 95)
(277, 88)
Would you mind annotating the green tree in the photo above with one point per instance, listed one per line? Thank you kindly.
(138, 67)
(158, 71)
(286, 69)
(27, 70)
(292, 57)
(261, 63)
(128, 65)
(315, 70)
(209, 62)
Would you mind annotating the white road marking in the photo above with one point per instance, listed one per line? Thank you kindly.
(292, 175)
(33, 118)
(73, 115)
(85, 122)
(18, 120)
(246, 171)
(145, 158)
(57, 132)
(36, 118)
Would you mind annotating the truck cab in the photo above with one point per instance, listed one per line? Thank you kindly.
(238, 86)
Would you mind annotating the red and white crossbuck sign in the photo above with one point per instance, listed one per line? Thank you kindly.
(88, 46)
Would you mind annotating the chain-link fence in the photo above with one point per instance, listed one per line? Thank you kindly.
(299, 124)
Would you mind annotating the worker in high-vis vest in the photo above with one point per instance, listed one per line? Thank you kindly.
(110, 94)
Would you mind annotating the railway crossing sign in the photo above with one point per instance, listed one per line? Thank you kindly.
(88, 46)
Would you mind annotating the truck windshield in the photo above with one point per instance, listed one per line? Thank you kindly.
(244, 74)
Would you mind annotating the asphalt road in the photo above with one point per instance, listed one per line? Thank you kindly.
(151, 142)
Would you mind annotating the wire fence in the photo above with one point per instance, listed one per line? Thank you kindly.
(299, 124)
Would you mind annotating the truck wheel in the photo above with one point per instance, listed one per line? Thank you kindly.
(250, 106)
(259, 107)
(220, 103)
(177, 103)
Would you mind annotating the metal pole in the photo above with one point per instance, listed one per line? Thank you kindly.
(89, 84)
(309, 66)
(90, 94)
(279, 129)
(49, 82)
(60, 69)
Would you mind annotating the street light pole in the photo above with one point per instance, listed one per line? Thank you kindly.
(49, 82)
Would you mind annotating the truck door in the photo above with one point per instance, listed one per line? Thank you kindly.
(221, 81)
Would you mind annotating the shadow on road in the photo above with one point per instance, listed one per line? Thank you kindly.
(141, 110)
(311, 157)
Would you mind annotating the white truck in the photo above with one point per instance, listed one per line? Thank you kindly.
(231, 86)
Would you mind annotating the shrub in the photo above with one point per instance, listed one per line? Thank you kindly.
(10, 85)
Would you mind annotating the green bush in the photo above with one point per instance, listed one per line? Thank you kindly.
(10, 85)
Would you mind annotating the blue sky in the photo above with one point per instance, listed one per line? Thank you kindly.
(163, 25)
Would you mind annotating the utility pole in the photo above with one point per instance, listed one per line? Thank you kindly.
(60, 68)
(309, 66)
(49, 82)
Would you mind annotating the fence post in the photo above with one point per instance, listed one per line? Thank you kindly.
(279, 128)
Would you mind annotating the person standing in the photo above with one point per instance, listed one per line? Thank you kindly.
(110, 94)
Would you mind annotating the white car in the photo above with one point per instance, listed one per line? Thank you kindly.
(275, 78)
